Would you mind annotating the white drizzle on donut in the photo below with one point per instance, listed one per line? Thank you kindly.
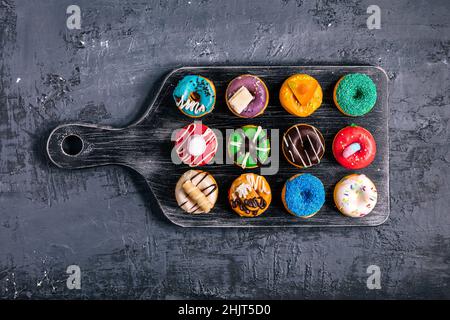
(318, 139)
(244, 161)
(257, 133)
(314, 149)
(183, 141)
(243, 190)
(190, 105)
(258, 183)
(236, 143)
(255, 144)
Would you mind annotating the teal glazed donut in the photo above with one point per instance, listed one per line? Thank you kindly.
(195, 96)
(355, 94)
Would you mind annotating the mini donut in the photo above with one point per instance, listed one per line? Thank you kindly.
(249, 146)
(196, 192)
(303, 145)
(354, 147)
(196, 144)
(249, 195)
(301, 95)
(195, 96)
(303, 195)
(355, 195)
(247, 96)
(355, 94)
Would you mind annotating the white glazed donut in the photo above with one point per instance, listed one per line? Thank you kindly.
(355, 195)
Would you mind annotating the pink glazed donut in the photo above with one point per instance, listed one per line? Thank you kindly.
(196, 144)
(247, 96)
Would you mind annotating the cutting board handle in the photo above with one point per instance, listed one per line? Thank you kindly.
(74, 146)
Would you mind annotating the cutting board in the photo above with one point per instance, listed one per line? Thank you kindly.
(145, 146)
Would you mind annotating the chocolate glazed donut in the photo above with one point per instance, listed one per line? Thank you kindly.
(303, 145)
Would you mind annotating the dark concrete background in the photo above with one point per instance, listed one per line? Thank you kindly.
(100, 219)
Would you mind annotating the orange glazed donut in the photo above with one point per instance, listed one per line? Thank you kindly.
(249, 195)
(301, 95)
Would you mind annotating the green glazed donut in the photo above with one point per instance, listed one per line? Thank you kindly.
(355, 94)
(249, 146)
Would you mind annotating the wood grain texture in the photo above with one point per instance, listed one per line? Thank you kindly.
(146, 145)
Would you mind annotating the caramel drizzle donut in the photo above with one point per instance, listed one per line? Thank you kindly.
(303, 145)
(196, 192)
(250, 195)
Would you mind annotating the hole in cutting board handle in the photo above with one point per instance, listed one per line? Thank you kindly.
(72, 145)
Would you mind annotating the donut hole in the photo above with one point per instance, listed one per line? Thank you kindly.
(306, 195)
(359, 94)
(250, 147)
(194, 96)
(246, 144)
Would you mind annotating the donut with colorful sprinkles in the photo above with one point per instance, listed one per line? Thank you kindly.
(354, 147)
(355, 195)
(303, 195)
(196, 144)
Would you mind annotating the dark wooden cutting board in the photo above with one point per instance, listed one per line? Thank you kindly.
(146, 145)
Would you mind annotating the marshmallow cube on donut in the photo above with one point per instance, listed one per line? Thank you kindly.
(247, 96)
(241, 99)
(196, 145)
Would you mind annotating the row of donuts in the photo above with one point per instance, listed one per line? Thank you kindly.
(247, 96)
(303, 195)
(303, 146)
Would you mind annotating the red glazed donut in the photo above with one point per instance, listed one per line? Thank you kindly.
(354, 147)
(196, 144)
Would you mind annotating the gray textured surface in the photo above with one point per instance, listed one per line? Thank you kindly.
(100, 218)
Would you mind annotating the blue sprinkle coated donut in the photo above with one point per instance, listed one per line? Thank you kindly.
(303, 195)
(195, 96)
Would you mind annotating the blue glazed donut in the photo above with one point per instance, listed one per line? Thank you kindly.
(303, 195)
(195, 96)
